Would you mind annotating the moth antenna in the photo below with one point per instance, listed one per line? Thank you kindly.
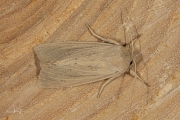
(124, 29)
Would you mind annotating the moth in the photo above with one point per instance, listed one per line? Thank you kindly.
(68, 64)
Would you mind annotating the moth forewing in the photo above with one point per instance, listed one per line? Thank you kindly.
(67, 64)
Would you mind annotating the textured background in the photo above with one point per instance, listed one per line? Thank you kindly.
(27, 23)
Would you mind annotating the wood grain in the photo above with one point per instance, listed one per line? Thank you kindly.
(27, 23)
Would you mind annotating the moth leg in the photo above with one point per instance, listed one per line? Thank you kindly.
(135, 75)
(101, 38)
(104, 85)
(133, 40)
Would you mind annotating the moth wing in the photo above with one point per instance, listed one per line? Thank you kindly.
(53, 76)
(51, 52)
(76, 63)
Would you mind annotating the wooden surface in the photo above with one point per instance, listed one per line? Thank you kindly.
(27, 23)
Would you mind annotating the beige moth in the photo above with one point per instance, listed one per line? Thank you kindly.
(72, 63)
